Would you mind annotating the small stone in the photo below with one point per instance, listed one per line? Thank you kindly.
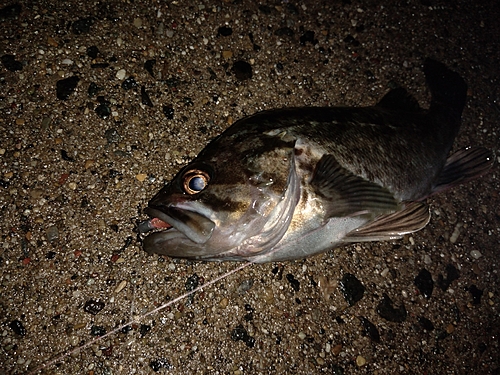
(476, 254)
(337, 349)
(103, 111)
(242, 70)
(120, 286)
(138, 22)
(227, 54)
(10, 63)
(120, 74)
(145, 99)
(476, 294)
(223, 303)
(141, 177)
(293, 282)
(224, 31)
(387, 311)
(93, 306)
(424, 283)
(360, 361)
(66, 87)
(89, 164)
(18, 327)
(450, 328)
(370, 329)
(302, 335)
(52, 233)
(19, 121)
(159, 363)
(351, 288)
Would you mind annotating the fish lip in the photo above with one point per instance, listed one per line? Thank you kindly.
(192, 225)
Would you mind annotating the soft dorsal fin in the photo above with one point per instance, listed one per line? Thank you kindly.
(463, 166)
(399, 99)
(412, 218)
(346, 194)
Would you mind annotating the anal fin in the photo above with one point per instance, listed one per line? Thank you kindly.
(412, 218)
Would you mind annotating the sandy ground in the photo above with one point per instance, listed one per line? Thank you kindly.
(78, 165)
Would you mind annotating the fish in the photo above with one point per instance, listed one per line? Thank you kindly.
(285, 184)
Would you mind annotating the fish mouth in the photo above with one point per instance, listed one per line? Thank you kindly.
(174, 223)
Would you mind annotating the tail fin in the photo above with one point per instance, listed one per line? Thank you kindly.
(448, 89)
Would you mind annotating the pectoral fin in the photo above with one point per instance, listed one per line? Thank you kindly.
(346, 194)
(412, 218)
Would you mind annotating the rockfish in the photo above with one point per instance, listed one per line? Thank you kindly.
(289, 183)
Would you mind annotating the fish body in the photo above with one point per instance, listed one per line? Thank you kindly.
(289, 183)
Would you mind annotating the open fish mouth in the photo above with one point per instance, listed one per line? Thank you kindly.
(175, 223)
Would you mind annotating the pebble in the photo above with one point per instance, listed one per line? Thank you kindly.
(337, 349)
(293, 282)
(242, 70)
(423, 281)
(476, 254)
(65, 87)
(456, 233)
(93, 306)
(52, 233)
(138, 22)
(141, 177)
(18, 327)
(223, 303)
(351, 288)
(10, 63)
(302, 335)
(370, 329)
(120, 286)
(159, 363)
(120, 74)
(360, 361)
(387, 311)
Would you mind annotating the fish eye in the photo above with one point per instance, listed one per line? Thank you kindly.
(195, 181)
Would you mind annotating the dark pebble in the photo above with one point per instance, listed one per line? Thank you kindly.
(245, 285)
(293, 282)
(349, 39)
(192, 282)
(93, 306)
(82, 25)
(370, 329)
(212, 73)
(99, 65)
(168, 111)
(452, 274)
(50, 255)
(92, 52)
(224, 31)
(129, 83)
(476, 294)
(149, 65)
(10, 11)
(425, 323)
(240, 333)
(103, 111)
(65, 156)
(242, 70)
(112, 136)
(387, 311)
(159, 363)
(308, 36)
(265, 9)
(284, 31)
(351, 288)
(144, 329)
(337, 370)
(65, 87)
(126, 329)
(145, 97)
(97, 331)
(424, 283)
(93, 89)
(10, 63)
(250, 310)
(18, 327)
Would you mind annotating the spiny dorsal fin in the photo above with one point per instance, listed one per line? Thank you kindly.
(463, 166)
(412, 218)
(346, 194)
(399, 99)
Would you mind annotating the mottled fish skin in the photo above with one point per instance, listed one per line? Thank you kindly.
(288, 183)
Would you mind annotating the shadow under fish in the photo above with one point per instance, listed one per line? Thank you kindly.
(289, 183)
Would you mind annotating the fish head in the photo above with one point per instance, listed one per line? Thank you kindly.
(233, 202)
